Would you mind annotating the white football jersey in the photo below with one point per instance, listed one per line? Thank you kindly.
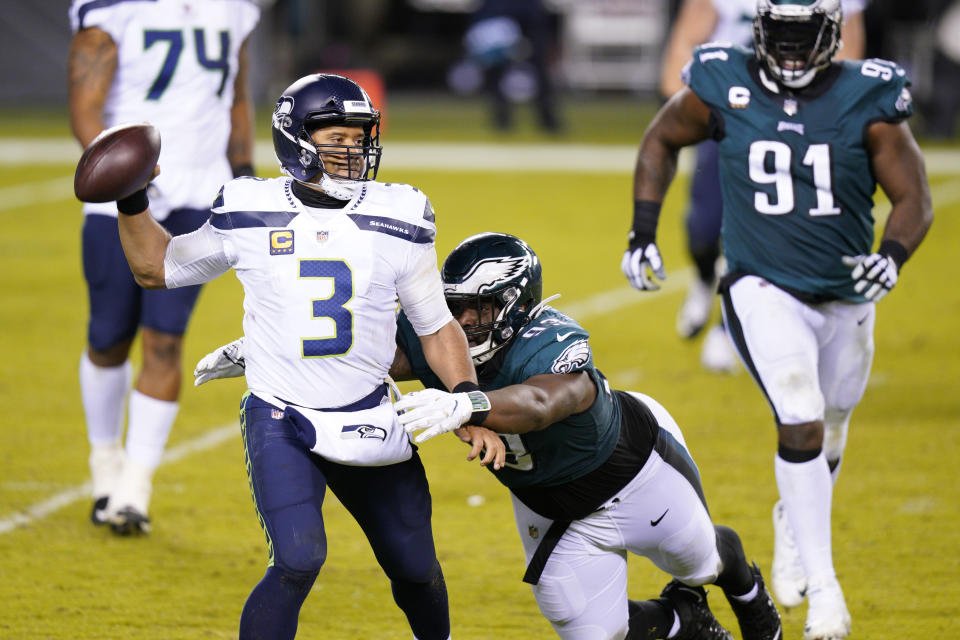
(321, 287)
(735, 19)
(176, 65)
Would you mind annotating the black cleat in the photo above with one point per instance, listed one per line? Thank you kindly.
(759, 619)
(98, 514)
(696, 619)
(128, 521)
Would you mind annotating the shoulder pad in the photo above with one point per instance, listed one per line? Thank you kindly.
(551, 343)
(109, 16)
(883, 88)
(395, 209)
(253, 202)
(714, 68)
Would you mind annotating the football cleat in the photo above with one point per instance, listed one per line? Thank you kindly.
(718, 354)
(128, 506)
(827, 617)
(696, 620)
(128, 521)
(758, 618)
(695, 311)
(98, 514)
(787, 576)
(106, 464)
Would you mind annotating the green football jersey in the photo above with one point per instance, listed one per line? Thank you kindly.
(795, 172)
(565, 450)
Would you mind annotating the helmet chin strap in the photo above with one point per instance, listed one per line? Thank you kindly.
(339, 189)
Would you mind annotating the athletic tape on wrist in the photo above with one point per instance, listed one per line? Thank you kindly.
(894, 250)
(646, 214)
(478, 401)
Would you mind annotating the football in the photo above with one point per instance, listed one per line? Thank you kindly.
(117, 163)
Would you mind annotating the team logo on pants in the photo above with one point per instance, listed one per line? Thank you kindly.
(358, 431)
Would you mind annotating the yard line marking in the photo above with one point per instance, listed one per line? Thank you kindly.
(599, 304)
(65, 498)
(38, 192)
(446, 156)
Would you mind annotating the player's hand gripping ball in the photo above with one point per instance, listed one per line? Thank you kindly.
(117, 163)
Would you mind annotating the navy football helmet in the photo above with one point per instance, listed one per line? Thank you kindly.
(794, 39)
(323, 100)
(495, 272)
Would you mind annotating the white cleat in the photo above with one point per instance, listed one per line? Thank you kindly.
(127, 509)
(827, 617)
(106, 465)
(787, 577)
(718, 354)
(695, 312)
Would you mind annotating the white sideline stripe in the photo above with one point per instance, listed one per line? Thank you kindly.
(596, 305)
(65, 498)
(445, 156)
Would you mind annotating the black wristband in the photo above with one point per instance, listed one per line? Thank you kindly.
(646, 214)
(136, 202)
(895, 250)
(479, 400)
(243, 170)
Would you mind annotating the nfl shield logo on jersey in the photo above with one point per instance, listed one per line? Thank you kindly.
(323, 236)
(790, 107)
(533, 531)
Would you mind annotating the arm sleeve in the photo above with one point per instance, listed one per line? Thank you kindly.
(421, 293)
(197, 257)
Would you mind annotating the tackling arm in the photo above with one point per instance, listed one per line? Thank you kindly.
(240, 143)
(91, 67)
(539, 402)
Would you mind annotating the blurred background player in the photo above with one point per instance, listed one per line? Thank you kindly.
(501, 33)
(325, 254)
(803, 143)
(593, 472)
(701, 21)
(180, 65)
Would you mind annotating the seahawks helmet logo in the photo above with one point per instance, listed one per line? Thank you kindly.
(281, 115)
(487, 274)
(573, 358)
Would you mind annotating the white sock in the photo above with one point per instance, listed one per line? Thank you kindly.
(807, 492)
(103, 390)
(150, 423)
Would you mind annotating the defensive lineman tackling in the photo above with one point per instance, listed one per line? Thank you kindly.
(324, 256)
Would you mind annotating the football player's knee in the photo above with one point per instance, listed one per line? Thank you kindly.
(304, 558)
(797, 398)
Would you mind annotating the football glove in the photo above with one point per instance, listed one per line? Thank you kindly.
(874, 274)
(638, 257)
(436, 412)
(223, 362)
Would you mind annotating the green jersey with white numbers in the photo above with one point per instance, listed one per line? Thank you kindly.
(795, 171)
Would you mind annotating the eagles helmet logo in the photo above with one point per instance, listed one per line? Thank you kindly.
(489, 273)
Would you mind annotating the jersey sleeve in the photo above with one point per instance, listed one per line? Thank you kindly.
(111, 17)
(711, 71)
(886, 91)
(248, 15)
(421, 292)
(197, 257)
(553, 343)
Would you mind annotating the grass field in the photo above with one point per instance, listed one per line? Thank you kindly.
(896, 507)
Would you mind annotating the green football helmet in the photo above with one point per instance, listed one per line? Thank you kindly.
(794, 39)
(498, 272)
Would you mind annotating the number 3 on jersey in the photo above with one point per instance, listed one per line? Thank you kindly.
(330, 307)
(817, 158)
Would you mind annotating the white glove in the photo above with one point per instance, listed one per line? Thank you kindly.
(223, 362)
(438, 411)
(636, 259)
(874, 274)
